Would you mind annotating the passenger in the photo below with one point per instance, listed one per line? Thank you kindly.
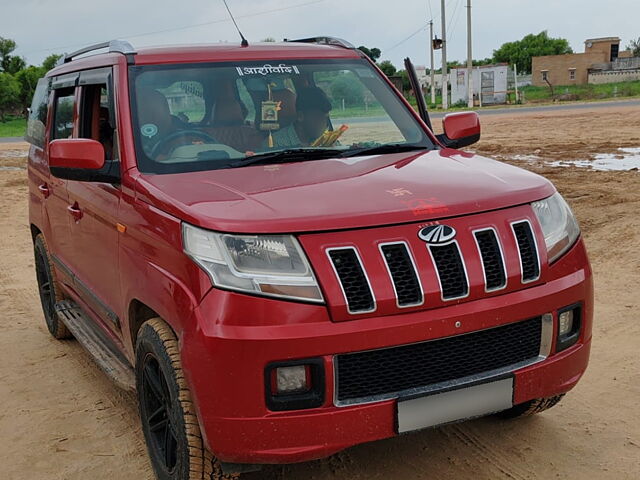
(312, 120)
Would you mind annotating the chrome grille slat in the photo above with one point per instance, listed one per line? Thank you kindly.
(527, 251)
(403, 273)
(493, 267)
(353, 279)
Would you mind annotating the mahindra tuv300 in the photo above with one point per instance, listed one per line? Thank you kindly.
(276, 252)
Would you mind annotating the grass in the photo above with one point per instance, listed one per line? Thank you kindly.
(583, 92)
(13, 127)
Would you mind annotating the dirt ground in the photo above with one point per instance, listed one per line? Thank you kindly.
(61, 418)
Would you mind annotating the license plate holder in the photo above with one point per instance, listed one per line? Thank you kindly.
(470, 401)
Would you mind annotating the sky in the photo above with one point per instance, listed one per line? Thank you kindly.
(398, 28)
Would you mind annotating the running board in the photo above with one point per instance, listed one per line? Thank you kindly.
(99, 346)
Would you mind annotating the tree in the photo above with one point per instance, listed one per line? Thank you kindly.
(9, 63)
(50, 62)
(268, 40)
(388, 68)
(373, 53)
(9, 93)
(348, 88)
(634, 46)
(520, 52)
(28, 79)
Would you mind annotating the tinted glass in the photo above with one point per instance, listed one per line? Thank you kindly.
(63, 117)
(190, 117)
(37, 121)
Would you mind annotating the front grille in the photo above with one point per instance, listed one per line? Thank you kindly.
(528, 251)
(492, 263)
(453, 279)
(355, 285)
(403, 274)
(386, 373)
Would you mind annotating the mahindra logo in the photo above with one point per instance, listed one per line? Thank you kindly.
(437, 234)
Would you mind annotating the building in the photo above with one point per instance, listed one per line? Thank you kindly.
(600, 55)
(491, 80)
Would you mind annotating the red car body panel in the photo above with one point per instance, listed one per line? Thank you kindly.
(127, 249)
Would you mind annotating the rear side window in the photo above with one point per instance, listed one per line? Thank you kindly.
(36, 124)
(63, 113)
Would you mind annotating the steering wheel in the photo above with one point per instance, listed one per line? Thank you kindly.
(162, 144)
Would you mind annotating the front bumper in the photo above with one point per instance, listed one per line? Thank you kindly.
(233, 338)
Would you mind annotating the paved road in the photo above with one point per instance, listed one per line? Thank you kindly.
(11, 139)
(548, 108)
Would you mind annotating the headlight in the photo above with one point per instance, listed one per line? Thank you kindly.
(559, 226)
(272, 265)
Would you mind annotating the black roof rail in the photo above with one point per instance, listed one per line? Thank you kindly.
(114, 46)
(337, 42)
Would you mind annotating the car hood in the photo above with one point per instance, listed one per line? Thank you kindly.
(335, 194)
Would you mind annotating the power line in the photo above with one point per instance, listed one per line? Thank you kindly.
(408, 38)
(184, 27)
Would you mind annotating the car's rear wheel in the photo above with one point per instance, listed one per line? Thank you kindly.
(49, 289)
(532, 407)
(169, 422)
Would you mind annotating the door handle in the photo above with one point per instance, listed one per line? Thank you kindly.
(44, 190)
(75, 211)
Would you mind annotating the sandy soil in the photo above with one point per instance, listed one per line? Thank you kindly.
(63, 419)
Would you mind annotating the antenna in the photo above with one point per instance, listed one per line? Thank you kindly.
(244, 42)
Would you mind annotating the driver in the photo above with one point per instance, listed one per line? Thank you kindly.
(312, 109)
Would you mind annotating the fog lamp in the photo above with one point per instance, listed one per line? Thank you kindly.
(565, 323)
(295, 379)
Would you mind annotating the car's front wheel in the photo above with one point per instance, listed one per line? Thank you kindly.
(49, 289)
(168, 416)
(532, 407)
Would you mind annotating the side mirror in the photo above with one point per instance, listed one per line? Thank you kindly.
(460, 129)
(76, 158)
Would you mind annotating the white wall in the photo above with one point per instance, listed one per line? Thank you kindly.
(497, 94)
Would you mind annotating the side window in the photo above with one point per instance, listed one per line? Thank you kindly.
(63, 113)
(37, 121)
(96, 117)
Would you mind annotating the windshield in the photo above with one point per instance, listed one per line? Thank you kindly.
(193, 117)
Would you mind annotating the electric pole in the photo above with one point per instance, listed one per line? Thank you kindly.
(433, 73)
(445, 84)
(469, 57)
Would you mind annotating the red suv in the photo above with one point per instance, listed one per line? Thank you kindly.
(275, 251)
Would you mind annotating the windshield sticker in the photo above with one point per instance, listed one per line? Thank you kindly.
(267, 69)
(149, 130)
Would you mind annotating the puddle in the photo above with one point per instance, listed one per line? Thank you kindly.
(626, 159)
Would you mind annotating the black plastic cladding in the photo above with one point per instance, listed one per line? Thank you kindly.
(353, 280)
(528, 251)
(491, 259)
(391, 370)
(403, 274)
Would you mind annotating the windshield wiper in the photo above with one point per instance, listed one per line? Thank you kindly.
(382, 149)
(289, 155)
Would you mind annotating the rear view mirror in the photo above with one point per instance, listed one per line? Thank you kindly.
(75, 158)
(460, 129)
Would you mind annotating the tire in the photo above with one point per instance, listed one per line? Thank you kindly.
(169, 422)
(532, 407)
(48, 289)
